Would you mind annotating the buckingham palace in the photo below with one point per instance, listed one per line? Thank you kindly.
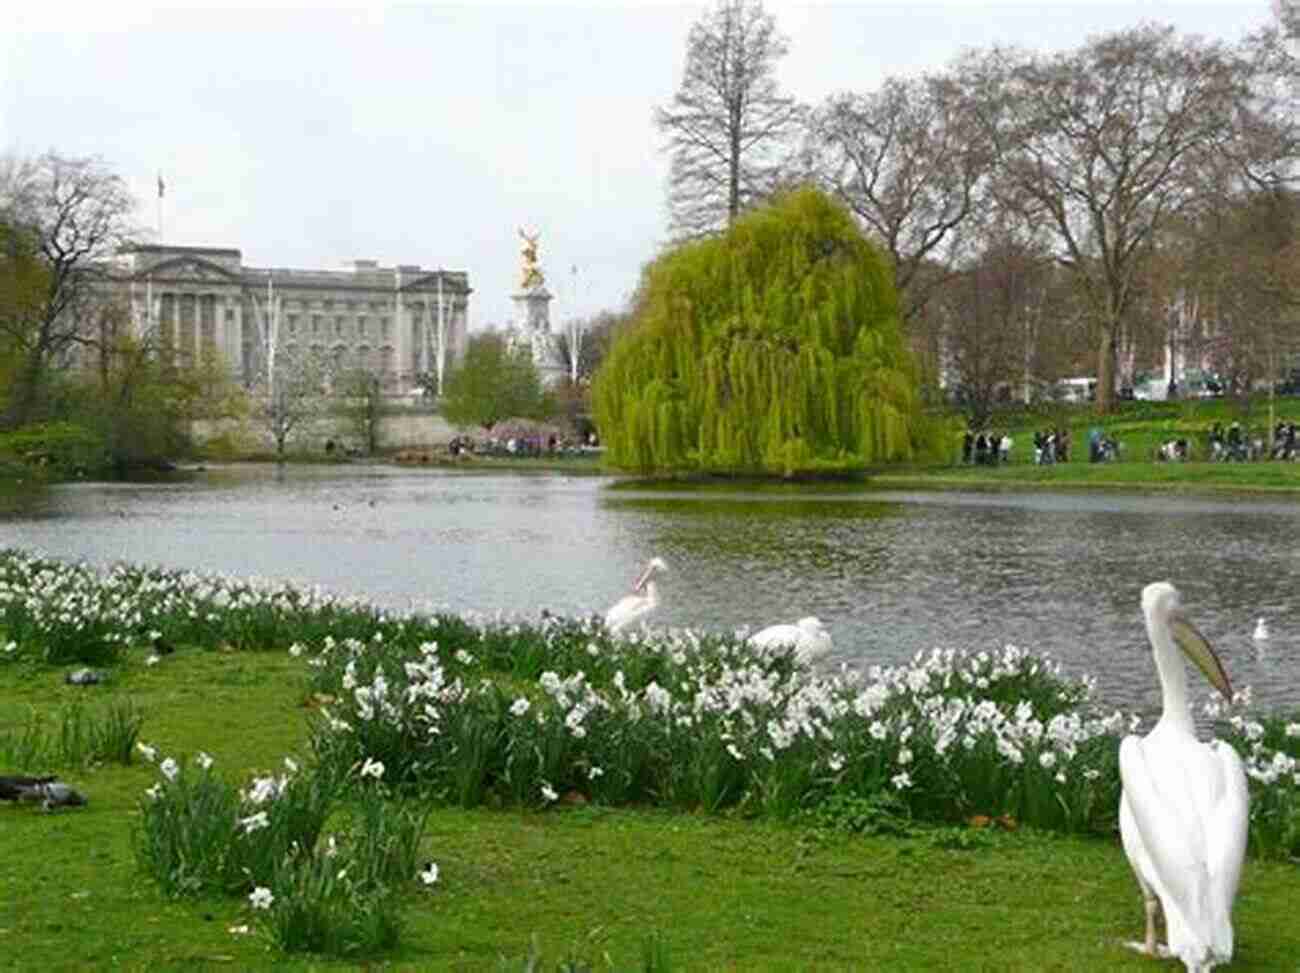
(386, 320)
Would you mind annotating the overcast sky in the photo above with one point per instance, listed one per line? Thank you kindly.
(428, 134)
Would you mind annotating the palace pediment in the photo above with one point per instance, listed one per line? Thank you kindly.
(453, 281)
(189, 268)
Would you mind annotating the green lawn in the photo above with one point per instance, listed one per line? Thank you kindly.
(585, 882)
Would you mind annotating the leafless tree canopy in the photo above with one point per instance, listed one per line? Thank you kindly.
(1107, 144)
(728, 127)
(911, 160)
(77, 212)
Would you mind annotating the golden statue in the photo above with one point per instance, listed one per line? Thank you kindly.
(532, 273)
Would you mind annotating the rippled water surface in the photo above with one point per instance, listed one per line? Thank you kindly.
(889, 573)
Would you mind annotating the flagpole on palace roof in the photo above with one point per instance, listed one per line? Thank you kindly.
(161, 188)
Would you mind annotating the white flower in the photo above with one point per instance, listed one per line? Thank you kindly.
(548, 792)
(877, 730)
(261, 897)
(169, 769)
(238, 930)
(1091, 774)
(255, 822)
(595, 772)
(203, 760)
(154, 792)
(372, 768)
(836, 762)
(1047, 760)
(464, 658)
(429, 875)
(901, 780)
(904, 756)
(10, 646)
(1292, 729)
(735, 754)
(291, 765)
(153, 660)
(150, 753)
(520, 706)
(331, 847)
(263, 789)
(295, 650)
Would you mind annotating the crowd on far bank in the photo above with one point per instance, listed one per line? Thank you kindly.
(522, 446)
(1223, 444)
(988, 448)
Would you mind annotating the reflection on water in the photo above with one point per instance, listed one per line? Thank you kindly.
(890, 574)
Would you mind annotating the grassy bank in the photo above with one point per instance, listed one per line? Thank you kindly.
(676, 802)
(584, 882)
(578, 882)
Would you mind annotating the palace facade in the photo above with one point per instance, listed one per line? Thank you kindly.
(385, 320)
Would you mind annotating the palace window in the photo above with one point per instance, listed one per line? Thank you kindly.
(293, 324)
(315, 324)
(361, 327)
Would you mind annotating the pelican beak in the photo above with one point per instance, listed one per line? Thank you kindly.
(640, 582)
(1197, 648)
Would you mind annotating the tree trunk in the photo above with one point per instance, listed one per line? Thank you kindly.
(1106, 370)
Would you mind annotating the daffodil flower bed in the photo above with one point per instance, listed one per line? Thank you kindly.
(496, 711)
(307, 891)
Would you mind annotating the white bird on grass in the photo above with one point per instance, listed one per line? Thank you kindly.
(1261, 630)
(808, 637)
(1184, 809)
(643, 600)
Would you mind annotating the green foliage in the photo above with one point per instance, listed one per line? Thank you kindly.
(494, 383)
(77, 739)
(882, 813)
(775, 348)
(199, 834)
(62, 447)
(320, 906)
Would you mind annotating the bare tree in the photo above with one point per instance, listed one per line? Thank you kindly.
(596, 335)
(911, 160)
(72, 214)
(1106, 144)
(1001, 314)
(293, 395)
(728, 125)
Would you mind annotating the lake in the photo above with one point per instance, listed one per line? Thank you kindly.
(888, 573)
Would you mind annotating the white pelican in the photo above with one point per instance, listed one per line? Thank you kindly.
(1261, 630)
(1184, 809)
(808, 637)
(643, 600)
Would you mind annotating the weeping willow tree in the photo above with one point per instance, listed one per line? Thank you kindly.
(775, 348)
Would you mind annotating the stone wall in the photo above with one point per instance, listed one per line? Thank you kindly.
(397, 430)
